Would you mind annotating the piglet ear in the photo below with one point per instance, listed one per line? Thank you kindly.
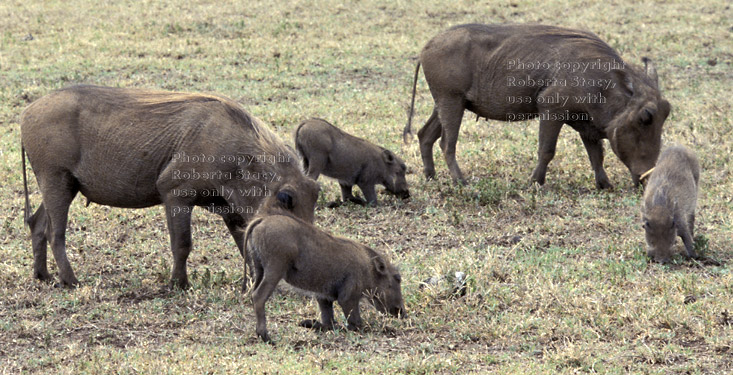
(388, 156)
(379, 266)
(285, 199)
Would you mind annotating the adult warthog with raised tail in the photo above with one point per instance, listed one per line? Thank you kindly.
(561, 76)
(138, 148)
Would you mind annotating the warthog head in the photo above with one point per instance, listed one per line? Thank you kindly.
(394, 179)
(387, 293)
(635, 134)
(299, 197)
(660, 228)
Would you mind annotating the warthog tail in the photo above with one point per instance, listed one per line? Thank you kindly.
(27, 211)
(408, 130)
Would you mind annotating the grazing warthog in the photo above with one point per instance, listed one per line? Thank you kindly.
(670, 198)
(561, 76)
(328, 150)
(282, 246)
(138, 148)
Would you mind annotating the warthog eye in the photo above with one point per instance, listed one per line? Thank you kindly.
(647, 117)
(286, 199)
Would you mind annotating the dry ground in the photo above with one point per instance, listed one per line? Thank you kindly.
(556, 277)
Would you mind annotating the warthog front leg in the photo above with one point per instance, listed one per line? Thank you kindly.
(326, 323)
(352, 313)
(684, 233)
(549, 131)
(594, 148)
(691, 221)
(347, 194)
(370, 193)
(235, 224)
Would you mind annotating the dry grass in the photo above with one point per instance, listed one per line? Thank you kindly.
(557, 281)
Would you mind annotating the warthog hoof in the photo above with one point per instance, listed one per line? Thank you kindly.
(64, 285)
(266, 338)
(314, 324)
(43, 276)
(358, 201)
(604, 184)
(402, 194)
(179, 284)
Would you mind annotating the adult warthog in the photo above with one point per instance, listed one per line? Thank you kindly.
(137, 148)
(561, 76)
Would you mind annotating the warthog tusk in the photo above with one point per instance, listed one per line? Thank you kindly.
(646, 174)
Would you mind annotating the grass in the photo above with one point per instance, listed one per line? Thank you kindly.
(556, 276)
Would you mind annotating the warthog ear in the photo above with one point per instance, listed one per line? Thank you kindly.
(285, 198)
(646, 117)
(651, 71)
(388, 156)
(379, 266)
(625, 82)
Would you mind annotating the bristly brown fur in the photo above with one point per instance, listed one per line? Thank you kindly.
(334, 269)
(480, 68)
(135, 148)
(328, 150)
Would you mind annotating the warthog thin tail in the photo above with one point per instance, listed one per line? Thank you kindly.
(408, 127)
(26, 212)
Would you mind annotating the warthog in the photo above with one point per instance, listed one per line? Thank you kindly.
(670, 198)
(326, 149)
(561, 76)
(282, 246)
(137, 148)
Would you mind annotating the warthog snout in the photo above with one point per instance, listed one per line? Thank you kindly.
(396, 308)
(636, 178)
(402, 194)
(398, 312)
(659, 258)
